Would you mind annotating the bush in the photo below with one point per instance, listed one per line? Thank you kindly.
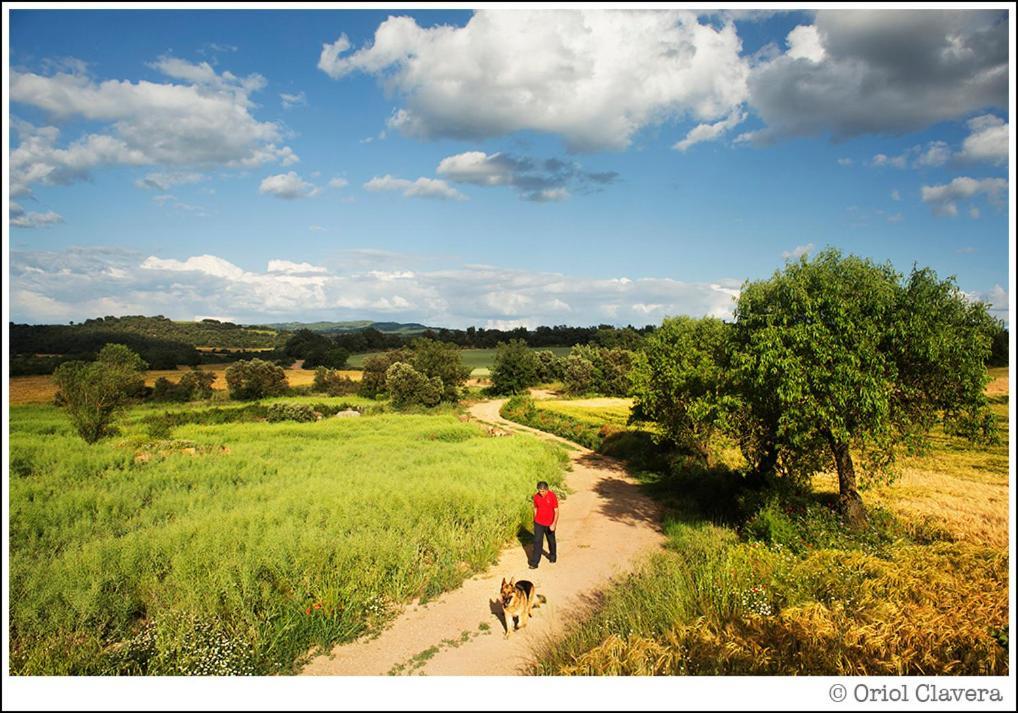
(549, 366)
(373, 380)
(409, 387)
(515, 369)
(255, 379)
(442, 361)
(333, 358)
(301, 413)
(579, 375)
(193, 385)
(93, 392)
(333, 383)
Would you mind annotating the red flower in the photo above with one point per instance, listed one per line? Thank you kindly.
(308, 610)
(318, 605)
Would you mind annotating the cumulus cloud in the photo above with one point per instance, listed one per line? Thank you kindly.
(203, 119)
(931, 155)
(84, 282)
(594, 77)
(288, 186)
(988, 140)
(532, 179)
(944, 198)
(338, 183)
(421, 188)
(882, 71)
(20, 218)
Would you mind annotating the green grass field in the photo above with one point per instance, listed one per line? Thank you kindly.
(237, 547)
(480, 361)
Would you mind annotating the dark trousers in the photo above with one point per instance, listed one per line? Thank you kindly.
(540, 533)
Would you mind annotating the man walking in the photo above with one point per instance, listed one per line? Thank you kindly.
(545, 520)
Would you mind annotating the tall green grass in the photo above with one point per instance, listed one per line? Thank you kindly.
(236, 547)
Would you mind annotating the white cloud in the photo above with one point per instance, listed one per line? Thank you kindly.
(798, 251)
(937, 153)
(338, 183)
(933, 154)
(895, 195)
(163, 181)
(595, 77)
(292, 100)
(988, 140)
(317, 228)
(76, 283)
(710, 132)
(20, 218)
(421, 188)
(288, 186)
(944, 198)
(204, 121)
(883, 71)
(804, 43)
(845, 162)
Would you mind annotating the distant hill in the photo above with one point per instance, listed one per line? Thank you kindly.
(353, 326)
(64, 338)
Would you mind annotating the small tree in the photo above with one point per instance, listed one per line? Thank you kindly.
(332, 382)
(409, 387)
(837, 355)
(515, 369)
(93, 392)
(579, 375)
(198, 384)
(255, 379)
(442, 361)
(549, 366)
(375, 367)
(679, 381)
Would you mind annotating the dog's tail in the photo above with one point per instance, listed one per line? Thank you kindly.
(541, 599)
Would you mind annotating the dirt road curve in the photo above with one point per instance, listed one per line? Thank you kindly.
(604, 525)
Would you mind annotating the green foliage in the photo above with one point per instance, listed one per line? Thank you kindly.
(316, 350)
(680, 382)
(521, 409)
(333, 383)
(235, 547)
(93, 392)
(409, 387)
(255, 379)
(838, 355)
(550, 367)
(194, 385)
(601, 370)
(301, 413)
(516, 368)
(375, 367)
(438, 360)
(999, 348)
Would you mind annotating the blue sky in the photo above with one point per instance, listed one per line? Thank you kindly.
(493, 169)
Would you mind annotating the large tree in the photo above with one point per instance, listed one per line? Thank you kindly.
(838, 355)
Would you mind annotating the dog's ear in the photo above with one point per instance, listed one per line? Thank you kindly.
(503, 581)
(512, 581)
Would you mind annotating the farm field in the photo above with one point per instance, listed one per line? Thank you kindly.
(772, 583)
(41, 389)
(223, 547)
(480, 361)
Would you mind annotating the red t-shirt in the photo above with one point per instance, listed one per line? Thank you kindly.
(545, 508)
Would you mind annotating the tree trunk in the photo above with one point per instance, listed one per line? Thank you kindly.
(849, 500)
(764, 469)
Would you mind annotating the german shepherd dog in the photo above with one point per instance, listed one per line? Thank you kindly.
(518, 598)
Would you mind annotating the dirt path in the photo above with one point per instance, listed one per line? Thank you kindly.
(604, 524)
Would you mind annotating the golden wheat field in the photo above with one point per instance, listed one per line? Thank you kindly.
(41, 389)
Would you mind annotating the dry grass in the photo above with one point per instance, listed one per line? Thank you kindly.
(958, 486)
(41, 389)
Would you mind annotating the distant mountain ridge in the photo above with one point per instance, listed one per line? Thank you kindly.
(351, 326)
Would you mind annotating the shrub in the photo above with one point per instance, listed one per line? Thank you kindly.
(409, 387)
(255, 379)
(333, 383)
(373, 380)
(549, 366)
(515, 369)
(93, 392)
(579, 375)
(198, 384)
(439, 360)
(302, 413)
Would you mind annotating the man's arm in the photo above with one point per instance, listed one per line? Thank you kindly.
(554, 522)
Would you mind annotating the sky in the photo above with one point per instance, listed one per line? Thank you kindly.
(493, 168)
